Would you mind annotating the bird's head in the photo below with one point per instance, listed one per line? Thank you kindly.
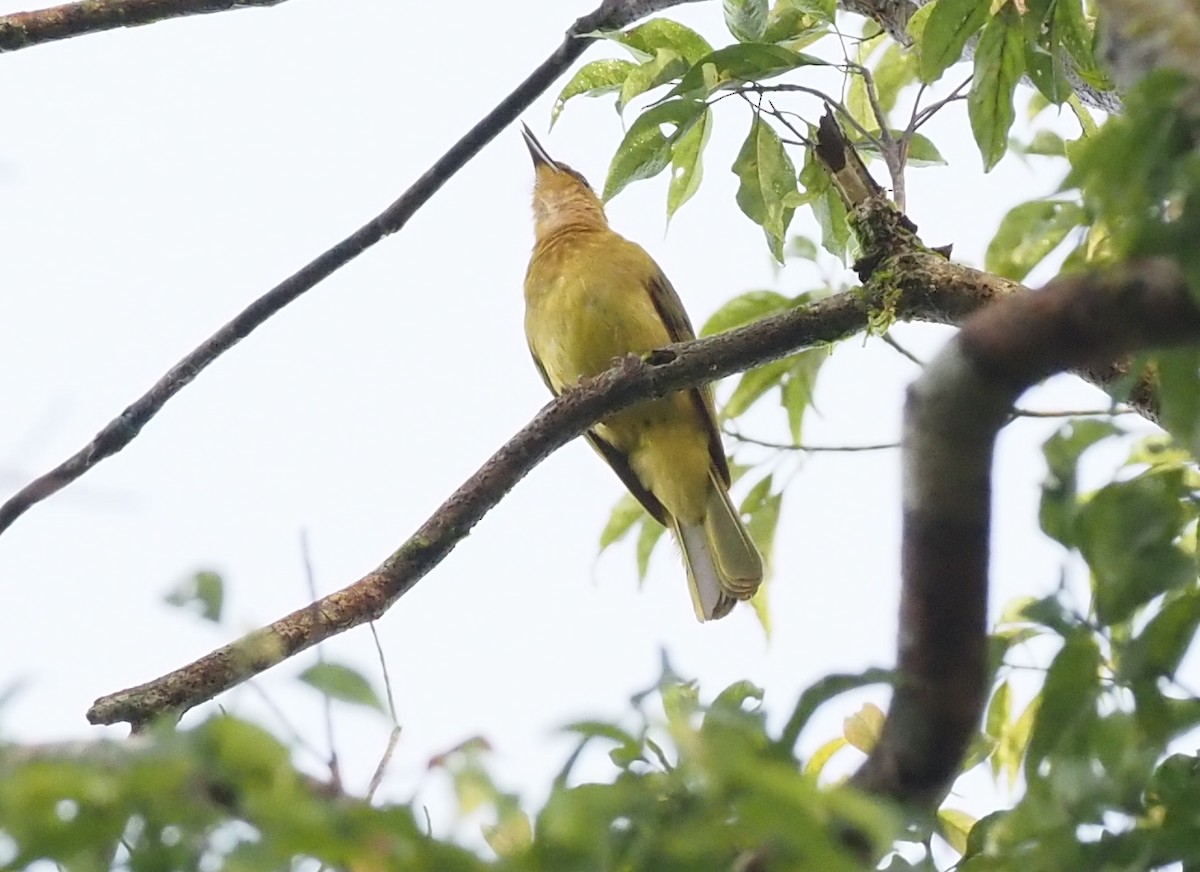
(561, 195)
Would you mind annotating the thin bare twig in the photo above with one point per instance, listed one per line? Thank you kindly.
(796, 446)
(118, 433)
(889, 339)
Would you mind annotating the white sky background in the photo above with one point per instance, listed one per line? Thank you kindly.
(154, 181)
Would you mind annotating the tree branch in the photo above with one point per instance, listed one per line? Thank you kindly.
(25, 29)
(610, 15)
(952, 415)
(927, 287)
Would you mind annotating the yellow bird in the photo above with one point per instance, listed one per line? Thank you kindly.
(591, 297)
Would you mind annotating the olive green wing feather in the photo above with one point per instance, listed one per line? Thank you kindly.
(674, 316)
(615, 458)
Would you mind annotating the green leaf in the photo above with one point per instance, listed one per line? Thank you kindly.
(762, 507)
(1059, 490)
(830, 212)
(1126, 532)
(896, 69)
(999, 64)
(745, 309)
(862, 729)
(592, 80)
(1179, 393)
(646, 150)
(798, 386)
(511, 835)
(203, 593)
(821, 756)
(686, 167)
(1068, 698)
(659, 33)
(1028, 233)
(945, 33)
(821, 692)
(1046, 71)
(921, 150)
(746, 19)
(1047, 144)
(794, 24)
(746, 62)
(955, 826)
(1073, 34)
(666, 65)
(342, 683)
(1159, 648)
(767, 176)
(753, 384)
(651, 532)
(627, 512)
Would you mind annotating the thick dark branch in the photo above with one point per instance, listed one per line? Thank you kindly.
(610, 15)
(952, 416)
(25, 29)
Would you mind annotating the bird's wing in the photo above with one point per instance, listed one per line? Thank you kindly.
(674, 316)
(617, 459)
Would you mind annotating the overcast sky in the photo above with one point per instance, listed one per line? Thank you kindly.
(154, 181)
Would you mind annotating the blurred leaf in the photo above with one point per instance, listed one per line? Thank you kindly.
(822, 755)
(753, 384)
(945, 32)
(798, 386)
(795, 24)
(802, 247)
(1158, 649)
(343, 684)
(1046, 143)
(1179, 393)
(594, 79)
(863, 728)
(955, 826)
(762, 507)
(820, 693)
(830, 213)
(646, 150)
(666, 65)
(896, 69)
(203, 593)
(511, 835)
(686, 167)
(767, 176)
(1068, 698)
(651, 532)
(999, 64)
(1028, 233)
(1059, 490)
(745, 62)
(659, 33)
(1126, 532)
(746, 19)
(921, 150)
(745, 309)
(627, 512)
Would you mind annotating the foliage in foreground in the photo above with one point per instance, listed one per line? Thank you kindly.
(697, 787)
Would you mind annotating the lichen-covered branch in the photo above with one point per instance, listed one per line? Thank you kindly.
(25, 29)
(952, 416)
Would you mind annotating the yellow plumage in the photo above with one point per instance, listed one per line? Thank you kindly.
(591, 297)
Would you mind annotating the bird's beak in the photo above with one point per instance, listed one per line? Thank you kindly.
(540, 158)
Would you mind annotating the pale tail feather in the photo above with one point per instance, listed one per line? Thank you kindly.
(708, 595)
(738, 563)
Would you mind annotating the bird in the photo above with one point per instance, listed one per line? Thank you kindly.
(593, 297)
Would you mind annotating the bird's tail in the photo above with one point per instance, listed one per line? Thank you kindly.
(723, 565)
